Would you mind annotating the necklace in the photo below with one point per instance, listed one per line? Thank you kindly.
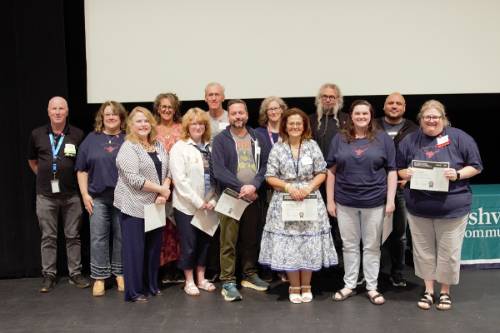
(147, 147)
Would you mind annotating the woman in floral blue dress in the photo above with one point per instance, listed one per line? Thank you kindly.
(296, 167)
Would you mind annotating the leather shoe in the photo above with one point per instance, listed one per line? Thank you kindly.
(48, 283)
(79, 281)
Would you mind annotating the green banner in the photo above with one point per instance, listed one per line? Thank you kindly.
(482, 236)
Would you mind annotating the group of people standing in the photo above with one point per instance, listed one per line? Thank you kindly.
(353, 169)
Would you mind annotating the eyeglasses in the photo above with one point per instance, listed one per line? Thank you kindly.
(427, 118)
(327, 97)
(197, 124)
(166, 107)
(296, 124)
(274, 109)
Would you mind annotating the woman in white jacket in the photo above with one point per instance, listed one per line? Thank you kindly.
(193, 191)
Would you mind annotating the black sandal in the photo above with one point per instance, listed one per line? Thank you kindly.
(427, 299)
(444, 302)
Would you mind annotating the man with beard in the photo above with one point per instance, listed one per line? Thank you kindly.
(239, 163)
(397, 127)
(328, 120)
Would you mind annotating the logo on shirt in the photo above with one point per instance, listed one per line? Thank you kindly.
(360, 151)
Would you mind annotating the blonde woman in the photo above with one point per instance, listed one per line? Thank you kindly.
(193, 191)
(142, 179)
(97, 176)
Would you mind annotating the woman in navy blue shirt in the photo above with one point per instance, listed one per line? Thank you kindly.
(438, 219)
(361, 187)
(97, 176)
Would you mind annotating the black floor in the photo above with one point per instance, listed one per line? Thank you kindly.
(476, 309)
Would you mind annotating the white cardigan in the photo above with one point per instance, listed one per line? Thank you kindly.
(188, 176)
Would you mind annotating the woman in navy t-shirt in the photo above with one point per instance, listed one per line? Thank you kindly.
(97, 175)
(438, 219)
(361, 187)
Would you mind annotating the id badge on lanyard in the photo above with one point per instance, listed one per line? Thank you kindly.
(54, 183)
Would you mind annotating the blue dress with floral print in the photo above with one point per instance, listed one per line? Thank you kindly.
(297, 245)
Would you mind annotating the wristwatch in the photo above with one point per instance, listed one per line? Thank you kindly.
(458, 176)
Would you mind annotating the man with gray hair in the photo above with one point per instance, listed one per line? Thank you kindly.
(214, 96)
(328, 120)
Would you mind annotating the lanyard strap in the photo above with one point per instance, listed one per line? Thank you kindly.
(296, 165)
(55, 149)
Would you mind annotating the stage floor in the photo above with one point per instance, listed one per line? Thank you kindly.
(476, 308)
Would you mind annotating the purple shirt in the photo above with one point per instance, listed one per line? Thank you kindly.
(97, 157)
(460, 152)
(362, 167)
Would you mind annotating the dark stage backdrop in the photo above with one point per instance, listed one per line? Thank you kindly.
(43, 44)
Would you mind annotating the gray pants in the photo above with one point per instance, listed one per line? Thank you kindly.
(48, 210)
(361, 224)
(437, 247)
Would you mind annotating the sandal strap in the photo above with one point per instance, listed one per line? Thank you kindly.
(444, 298)
(294, 289)
(427, 298)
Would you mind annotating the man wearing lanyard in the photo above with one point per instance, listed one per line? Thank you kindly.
(51, 157)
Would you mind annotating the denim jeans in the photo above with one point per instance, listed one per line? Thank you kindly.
(105, 238)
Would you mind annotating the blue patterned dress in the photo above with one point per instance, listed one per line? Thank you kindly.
(297, 245)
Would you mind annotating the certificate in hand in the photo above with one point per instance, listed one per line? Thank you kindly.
(305, 210)
(429, 176)
(154, 217)
(230, 205)
(206, 220)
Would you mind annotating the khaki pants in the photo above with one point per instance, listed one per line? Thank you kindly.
(437, 246)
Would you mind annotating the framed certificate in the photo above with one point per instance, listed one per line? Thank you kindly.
(305, 210)
(429, 176)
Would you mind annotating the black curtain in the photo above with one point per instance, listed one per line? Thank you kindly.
(43, 55)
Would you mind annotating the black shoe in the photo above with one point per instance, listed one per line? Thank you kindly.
(79, 281)
(48, 283)
(397, 280)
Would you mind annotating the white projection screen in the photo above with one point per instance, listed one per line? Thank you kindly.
(136, 49)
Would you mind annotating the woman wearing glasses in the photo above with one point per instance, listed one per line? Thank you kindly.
(295, 169)
(166, 108)
(438, 219)
(193, 193)
(270, 113)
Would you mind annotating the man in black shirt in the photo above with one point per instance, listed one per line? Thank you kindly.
(51, 156)
(397, 127)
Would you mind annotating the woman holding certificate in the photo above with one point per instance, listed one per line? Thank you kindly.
(193, 197)
(142, 180)
(291, 241)
(360, 188)
(438, 219)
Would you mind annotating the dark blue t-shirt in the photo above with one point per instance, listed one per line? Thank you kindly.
(362, 167)
(460, 152)
(97, 157)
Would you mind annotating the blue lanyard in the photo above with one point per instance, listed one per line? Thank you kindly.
(55, 150)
